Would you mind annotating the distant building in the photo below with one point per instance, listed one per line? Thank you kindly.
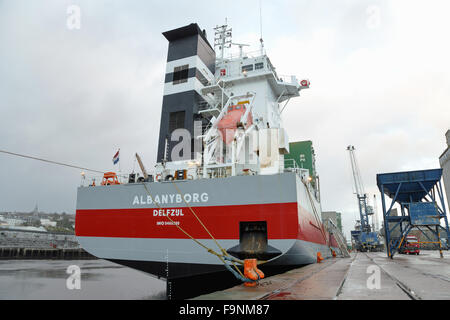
(14, 221)
(35, 213)
(48, 223)
(444, 160)
(3, 221)
(333, 216)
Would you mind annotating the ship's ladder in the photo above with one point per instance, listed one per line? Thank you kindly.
(339, 238)
(223, 256)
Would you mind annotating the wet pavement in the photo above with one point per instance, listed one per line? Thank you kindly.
(363, 270)
(424, 277)
(99, 279)
(363, 276)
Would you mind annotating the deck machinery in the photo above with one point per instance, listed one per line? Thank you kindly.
(420, 197)
(364, 238)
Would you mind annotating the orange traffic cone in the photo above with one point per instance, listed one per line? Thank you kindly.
(319, 257)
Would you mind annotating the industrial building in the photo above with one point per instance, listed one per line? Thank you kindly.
(333, 216)
(444, 160)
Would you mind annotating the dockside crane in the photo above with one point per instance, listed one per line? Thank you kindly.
(141, 165)
(364, 237)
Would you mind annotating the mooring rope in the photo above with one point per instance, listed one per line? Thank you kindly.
(224, 256)
(49, 161)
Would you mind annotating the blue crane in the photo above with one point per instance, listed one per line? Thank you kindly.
(364, 237)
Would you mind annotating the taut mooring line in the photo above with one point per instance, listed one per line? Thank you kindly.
(49, 161)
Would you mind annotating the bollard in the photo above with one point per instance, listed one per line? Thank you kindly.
(319, 257)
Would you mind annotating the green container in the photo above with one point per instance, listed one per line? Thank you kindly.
(302, 152)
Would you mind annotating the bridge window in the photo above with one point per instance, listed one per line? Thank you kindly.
(180, 74)
(247, 68)
(259, 66)
(176, 120)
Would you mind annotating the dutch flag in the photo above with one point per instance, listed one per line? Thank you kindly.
(116, 157)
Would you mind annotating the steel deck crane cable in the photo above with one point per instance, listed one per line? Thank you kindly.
(49, 161)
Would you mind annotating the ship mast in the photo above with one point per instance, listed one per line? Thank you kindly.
(260, 29)
(222, 38)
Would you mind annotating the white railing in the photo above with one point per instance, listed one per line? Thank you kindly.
(250, 54)
(293, 166)
(290, 79)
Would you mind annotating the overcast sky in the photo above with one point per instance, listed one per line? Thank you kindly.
(379, 73)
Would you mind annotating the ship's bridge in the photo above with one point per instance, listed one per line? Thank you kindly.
(251, 67)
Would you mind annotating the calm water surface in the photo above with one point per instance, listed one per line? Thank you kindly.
(100, 279)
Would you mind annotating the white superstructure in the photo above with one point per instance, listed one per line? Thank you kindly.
(243, 101)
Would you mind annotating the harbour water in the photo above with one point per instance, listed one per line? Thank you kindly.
(98, 279)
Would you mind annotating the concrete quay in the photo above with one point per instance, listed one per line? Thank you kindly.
(363, 276)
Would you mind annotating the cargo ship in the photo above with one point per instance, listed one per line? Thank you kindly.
(224, 185)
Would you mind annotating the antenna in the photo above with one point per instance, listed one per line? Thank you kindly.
(222, 38)
(241, 45)
(260, 20)
(260, 27)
